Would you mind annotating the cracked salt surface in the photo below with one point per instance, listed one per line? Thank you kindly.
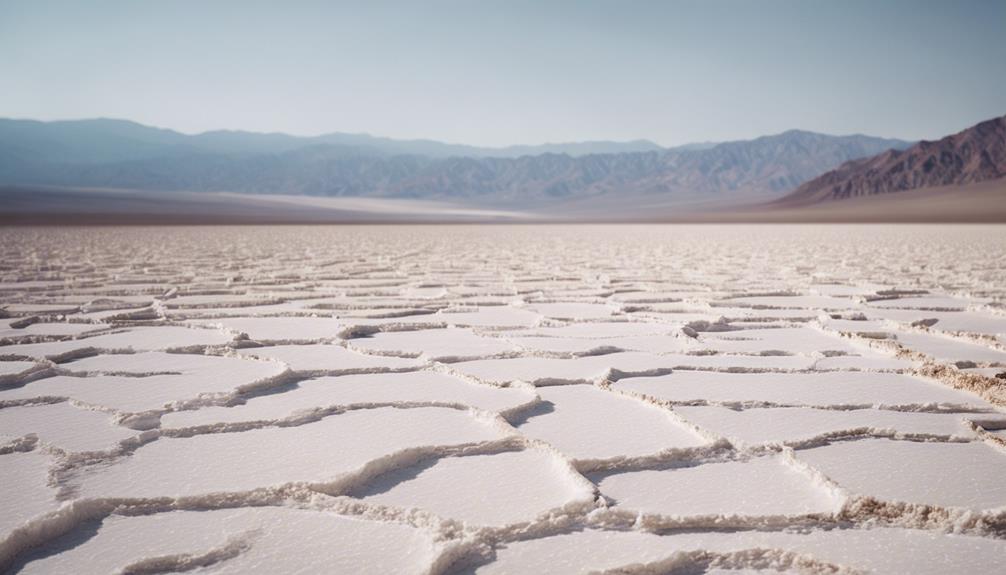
(503, 400)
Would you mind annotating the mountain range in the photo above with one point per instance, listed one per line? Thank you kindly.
(108, 171)
(124, 155)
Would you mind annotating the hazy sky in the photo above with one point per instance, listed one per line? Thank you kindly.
(514, 71)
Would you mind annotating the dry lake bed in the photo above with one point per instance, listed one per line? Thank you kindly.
(503, 399)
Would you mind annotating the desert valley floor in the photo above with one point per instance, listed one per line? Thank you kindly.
(503, 399)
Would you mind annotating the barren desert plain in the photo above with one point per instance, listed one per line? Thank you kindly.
(728, 399)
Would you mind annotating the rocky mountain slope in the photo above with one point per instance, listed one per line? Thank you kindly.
(977, 154)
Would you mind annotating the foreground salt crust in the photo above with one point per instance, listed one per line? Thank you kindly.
(279, 329)
(597, 345)
(849, 389)
(357, 391)
(325, 451)
(44, 329)
(10, 368)
(517, 400)
(524, 484)
(895, 551)
(129, 340)
(133, 383)
(761, 486)
(261, 540)
(329, 359)
(951, 322)
(64, 427)
(916, 472)
(586, 422)
(951, 351)
(27, 494)
(801, 425)
(437, 345)
(596, 368)
(802, 340)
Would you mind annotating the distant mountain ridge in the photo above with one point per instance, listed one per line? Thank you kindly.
(974, 155)
(120, 135)
(120, 154)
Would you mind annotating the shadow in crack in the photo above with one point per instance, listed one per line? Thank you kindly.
(541, 408)
(75, 537)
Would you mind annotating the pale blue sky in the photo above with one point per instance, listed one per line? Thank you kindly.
(514, 71)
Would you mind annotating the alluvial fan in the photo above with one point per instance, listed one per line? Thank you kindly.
(569, 399)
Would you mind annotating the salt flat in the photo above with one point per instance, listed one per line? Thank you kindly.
(569, 399)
